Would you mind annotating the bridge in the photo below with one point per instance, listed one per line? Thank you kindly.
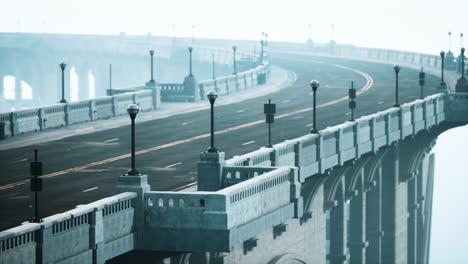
(334, 182)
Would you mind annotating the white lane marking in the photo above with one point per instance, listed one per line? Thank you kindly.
(380, 102)
(172, 165)
(348, 113)
(311, 124)
(240, 111)
(247, 143)
(18, 161)
(91, 189)
(110, 140)
(286, 101)
(184, 124)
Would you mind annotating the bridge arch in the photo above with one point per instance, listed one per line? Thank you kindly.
(287, 259)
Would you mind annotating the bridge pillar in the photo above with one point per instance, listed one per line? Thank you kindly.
(191, 87)
(412, 220)
(18, 91)
(338, 228)
(374, 220)
(357, 240)
(139, 185)
(210, 168)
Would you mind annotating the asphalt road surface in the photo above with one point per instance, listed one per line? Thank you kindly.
(171, 146)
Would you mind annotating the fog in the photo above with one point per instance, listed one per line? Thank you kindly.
(407, 25)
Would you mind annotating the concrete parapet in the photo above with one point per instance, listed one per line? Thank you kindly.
(52, 116)
(81, 235)
(5, 125)
(24, 121)
(78, 112)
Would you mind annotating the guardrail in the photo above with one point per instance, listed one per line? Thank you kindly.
(100, 230)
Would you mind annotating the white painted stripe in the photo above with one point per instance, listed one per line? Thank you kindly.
(240, 111)
(184, 124)
(110, 140)
(348, 113)
(172, 165)
(247, 143)
(91, 189)
(18, 161)
(309, 125)
(286, 101)
(380, 102)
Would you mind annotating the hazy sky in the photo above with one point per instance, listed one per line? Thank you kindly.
(419, 25)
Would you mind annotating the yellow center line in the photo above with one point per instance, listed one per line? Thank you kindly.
(367, 86)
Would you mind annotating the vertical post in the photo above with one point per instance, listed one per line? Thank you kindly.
(110, 79)
(190, 49)
(450, 41)
(133, 110)
(422, 81)
(212, 95)
(152, 76)
(352, 103)
(62, 66)
(397, 70)
(214, 72)
(262, 42)
(463, 62)
(234, 49)
(36, 211)
(314, 84)
(269, 110)
(442, 56)
(36, 185)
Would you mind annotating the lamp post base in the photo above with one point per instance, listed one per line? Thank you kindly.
(63, 101)
(443, 86)
(212, 150)
(396, 105)
(132, 172)
(313, 131)
(36, 220)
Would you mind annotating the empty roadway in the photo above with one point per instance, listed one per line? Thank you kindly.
(175, 164)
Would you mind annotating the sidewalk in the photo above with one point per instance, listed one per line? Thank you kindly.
(280, 78)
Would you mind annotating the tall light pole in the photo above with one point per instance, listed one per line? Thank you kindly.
(314, 84)
(442, 65)
(397, 70)
(352, 103)
(214, 65)
(262, 43)
(151, 52)
(212, 95)
(463, 63)
(234, 49)
(132, 111)
(422, 81)
(62, 66)
(190, 49)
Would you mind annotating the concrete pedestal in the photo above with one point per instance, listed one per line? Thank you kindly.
(139, 185)
(191, 87)
(210, 168)
(153, 85)
(461, 86)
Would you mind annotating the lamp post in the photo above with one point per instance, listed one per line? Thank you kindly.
(314, 84)
(422, 81)
(110, 79)
(132, 111)
(397, 70)
(442, 65)
(190, 49)
(151, 52)
(463, 63)
(214, 65)
(62, 66)
(352, 103)
(212, 95)
(234, 49)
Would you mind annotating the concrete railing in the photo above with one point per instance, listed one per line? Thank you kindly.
(333, 146)
(91, 233)
(53, 116)
(208, 217)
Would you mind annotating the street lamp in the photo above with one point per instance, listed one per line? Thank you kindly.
(62, 66)
(212, 95)
(151, 52)
(314, 84)
(132, 111)
(214, 65)
(234, 49)
(442, 82)
(463, 63)
(397, 70)
(190, 49)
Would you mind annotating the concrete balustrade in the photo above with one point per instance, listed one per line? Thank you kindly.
(91, 233)
(52, 116)
(104, 107)
(5, 125)
(79, 112)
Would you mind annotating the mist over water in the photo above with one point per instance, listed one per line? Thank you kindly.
(449, 233)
